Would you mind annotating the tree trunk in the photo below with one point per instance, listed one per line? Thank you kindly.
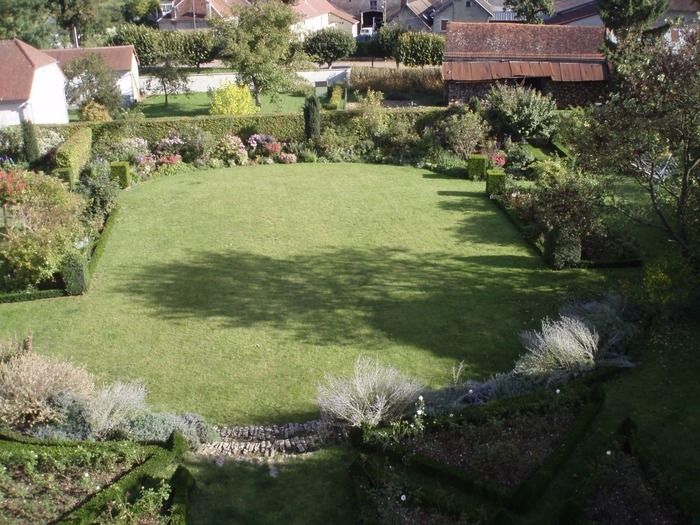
(256, 92)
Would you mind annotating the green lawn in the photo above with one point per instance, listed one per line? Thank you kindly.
(196, 104)
(233, 292)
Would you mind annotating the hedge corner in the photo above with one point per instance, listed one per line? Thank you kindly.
(121, 172)
(477, 167)
(495, 181)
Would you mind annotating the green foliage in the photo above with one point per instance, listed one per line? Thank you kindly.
(668, 285)
(120, 172)
(97, 186)
(329, 44)
(420, 49)
(520, 161)
(520, 112)
(12, 142)
(198, 47)
(495, 181)
(168, 77)
(138, 10)
(623, 16)
(531, 10)
(477, 166)
(74, 272)
(39, 231)
(312, 117)
(562, 248)
(93, 111)
(74, 153)
(28, 20)
(462, 131)
(29, 141)
(423, 81)
(259, 47)
(388, 39)
(146, 40)
(231, 99)
(88, 79)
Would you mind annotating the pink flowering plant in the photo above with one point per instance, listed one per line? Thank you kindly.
(171, 145)
(287, 158)
(231, 150)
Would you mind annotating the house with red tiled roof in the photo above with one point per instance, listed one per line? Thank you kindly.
(121, 60)
(585, 12)
(31, 86)
(319, 14)
(188, 15)
(434, 15)
(563, 61)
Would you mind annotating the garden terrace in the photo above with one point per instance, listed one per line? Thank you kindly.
(233, 292)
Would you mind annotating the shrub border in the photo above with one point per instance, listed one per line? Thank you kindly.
(523, 497)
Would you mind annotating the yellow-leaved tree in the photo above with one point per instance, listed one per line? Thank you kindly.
(231, 99)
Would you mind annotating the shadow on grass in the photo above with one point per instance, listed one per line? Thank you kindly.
(312, 490)
(436, 301)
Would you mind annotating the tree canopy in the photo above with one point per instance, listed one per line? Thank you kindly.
(623, 16)
(89, 79)
(329, 44)
(260, 48)
(531, 11)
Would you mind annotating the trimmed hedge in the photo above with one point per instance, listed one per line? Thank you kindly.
(74, 154)
(32, 295)
(477, 166)
(75, 273)
(182, 484)
(159, 466)
(100, 244)
(495, 181)
(120, 172)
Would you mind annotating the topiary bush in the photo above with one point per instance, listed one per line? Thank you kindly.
(231, 99)
(30, 142)
(120, 172)
(312, 118)
(562, 248)
(75, 273)
(93, 111)
(495, 181)
(477, 166)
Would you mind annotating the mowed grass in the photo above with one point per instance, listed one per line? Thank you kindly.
(233, 292)
(194, 104)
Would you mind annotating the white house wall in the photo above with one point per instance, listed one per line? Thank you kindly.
(47, 101)
(9, 114)
(310, 25)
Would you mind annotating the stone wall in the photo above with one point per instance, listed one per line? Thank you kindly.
(565, 94)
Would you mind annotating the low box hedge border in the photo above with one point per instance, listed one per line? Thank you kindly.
(520, 498)
(522, 228)
(32, 295)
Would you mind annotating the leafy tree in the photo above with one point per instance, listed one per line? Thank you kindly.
(328, 45)
(198, 47)
(259, 47)
(169, 78)
(531, 10)
(649, 132)
(389, 36)
(520, 112)
(27, 20)
(420, 49)
(147, 42)
(89, 79)
(139, 10)
(370, 48)
(77, 17)
(230, 99)
(623, 16)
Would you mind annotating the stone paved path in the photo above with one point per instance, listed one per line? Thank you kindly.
(271, 440)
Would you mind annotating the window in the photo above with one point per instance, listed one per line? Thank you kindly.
(443, 25)
(469, 3)
(373, 5)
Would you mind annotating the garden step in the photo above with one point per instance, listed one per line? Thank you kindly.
(270, 440)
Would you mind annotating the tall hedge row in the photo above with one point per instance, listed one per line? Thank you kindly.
(74, 154)
(288, 127)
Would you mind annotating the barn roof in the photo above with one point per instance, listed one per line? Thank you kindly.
(117, 58)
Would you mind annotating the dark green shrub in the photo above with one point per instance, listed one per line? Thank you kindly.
(420, 49)
(562, 248)
(520, 160)
(495, 181)
(74, 272)
(477, 166)
(74, 153)
(31, 144)
(312, 117)
(120, 172)
(328, 45)
(12, 143)
(462, 131)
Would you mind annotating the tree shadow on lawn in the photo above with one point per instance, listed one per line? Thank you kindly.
(458, 307)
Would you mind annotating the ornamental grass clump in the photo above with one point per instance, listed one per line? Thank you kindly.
(112, 405)
(373, 395)
(562, 348)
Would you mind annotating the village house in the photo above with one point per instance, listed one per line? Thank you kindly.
(563, 61)
(121, 60)
(321, 14)
(427, 15)
(585, 12)
(31, 86)
(189, 15)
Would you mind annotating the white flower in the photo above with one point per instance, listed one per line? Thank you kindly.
(420, 398)
(419, 412)
(471, 391)
(608, 452)
(403, 497)
(85, 474)
(558, 391)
